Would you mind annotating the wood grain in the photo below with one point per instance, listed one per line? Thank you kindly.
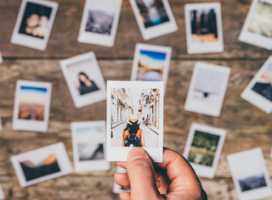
(247, 126)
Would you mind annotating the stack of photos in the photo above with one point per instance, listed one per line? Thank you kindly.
(259, 90)
(1, 58)
(99, 22)
(41, 164)
(250, 175)
(257, 29)
(203, 149)
(151, 63)
(134, 118)
(31, 106)
(154, 17)
(117, 189)
(2, 196)
(204, 28)
(84, 79)
(89, 146)
(207, 89)
(34, 23)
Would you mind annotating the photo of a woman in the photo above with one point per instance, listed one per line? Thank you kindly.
(86, 85)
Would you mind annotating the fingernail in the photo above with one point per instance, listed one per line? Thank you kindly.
(136, 153)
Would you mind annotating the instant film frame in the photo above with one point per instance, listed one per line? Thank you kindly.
(255, 98)
(26, 124)
(157, 30)
(120, 153)
(98, 38)
(30, 41)
(205, 47)
(155, 49)
(91, 97)
(117, 189)
(2, 196)
(253, 156)
(89, 165)
(203, 107)
(204, 170)
(253, 38)
(62, 158)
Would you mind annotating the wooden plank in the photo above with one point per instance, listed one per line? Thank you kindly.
(63, 41)
(245, 129)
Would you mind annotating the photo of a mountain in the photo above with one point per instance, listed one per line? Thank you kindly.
(252, 182)
(33, 169)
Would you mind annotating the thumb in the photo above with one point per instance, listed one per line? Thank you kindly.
(141, 175)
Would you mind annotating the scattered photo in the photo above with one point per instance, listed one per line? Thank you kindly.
(34, 23)
(207, 89)
(117, 189)
(31, 106)
(100, 21)
(1, 58)
(257, 29)
(203, 149)
(151, 63)
(204, 28)
(154, 17)
(135, 118)
(259, 90)
(84, 79)
(89, 146)
(250, 175)
(41, 164)
(2, 196)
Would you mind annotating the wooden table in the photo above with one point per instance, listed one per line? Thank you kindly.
(248, 127)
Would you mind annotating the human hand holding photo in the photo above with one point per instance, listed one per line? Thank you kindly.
(172, 179)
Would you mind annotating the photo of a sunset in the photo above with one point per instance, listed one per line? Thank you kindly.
(32, 102)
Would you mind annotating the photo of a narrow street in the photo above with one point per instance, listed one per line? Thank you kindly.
(143, 103)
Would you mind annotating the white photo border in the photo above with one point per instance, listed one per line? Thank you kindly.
(91, 165)
(153, 48)
(258, 193)
(253, 97)
(158, 30)
(120, 153)
(29, 41)
(30, 125)
(92, 97)
(95, 38)
(62, 159)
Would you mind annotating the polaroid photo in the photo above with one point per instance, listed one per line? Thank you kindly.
(2, 196)
(151, 63)
(84, 79)
(32, 106)
(99, 22)
(34, 23)
(204, 30)
(259, 90)
(250, 175)
(134, 118)
(117, 189)
(155, 18)
(1, 58)
(257, 29)
(207, 89)
(203, 149)
(89, 146)
(41, 164)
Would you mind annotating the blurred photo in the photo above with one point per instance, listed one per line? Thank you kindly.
(38, 166)
(135, 117)
(101, 17)
(204, 25)
(261, 21)
(263, 85)
(35, 20)
(203, 148)
(152, 12)
(32, 102)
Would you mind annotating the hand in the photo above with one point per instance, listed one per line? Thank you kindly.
(173, 179)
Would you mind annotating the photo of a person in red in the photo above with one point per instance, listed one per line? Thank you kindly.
(133, 135)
